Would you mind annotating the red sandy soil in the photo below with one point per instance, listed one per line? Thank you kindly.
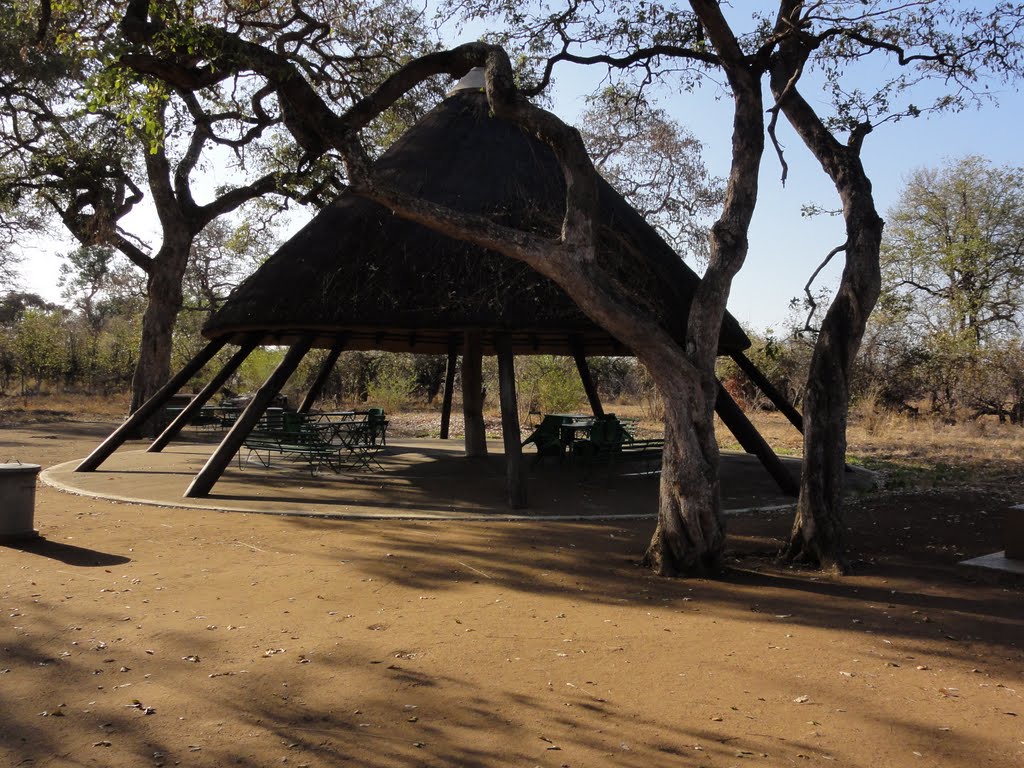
(141, 636)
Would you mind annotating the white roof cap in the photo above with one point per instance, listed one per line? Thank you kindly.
(471, 81)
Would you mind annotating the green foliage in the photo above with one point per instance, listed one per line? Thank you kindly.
(39, 346)
(549, 384)
(783, 360)
(101, 284)
(391, 382)
(947, 326)
(256, 369)
(953, 250)
(117, 352)
(614, 377)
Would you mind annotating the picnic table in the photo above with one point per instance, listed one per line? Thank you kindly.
(336, 439)
(555, 434)
(587, 440)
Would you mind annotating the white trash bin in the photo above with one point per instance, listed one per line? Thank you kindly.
(17, 502)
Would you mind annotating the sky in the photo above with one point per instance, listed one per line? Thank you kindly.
(785, 247)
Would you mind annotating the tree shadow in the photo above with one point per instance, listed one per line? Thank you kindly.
(362, 695)
(916, 594)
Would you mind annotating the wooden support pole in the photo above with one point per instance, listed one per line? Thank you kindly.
(449, 386)
(746, 433)
(325, 371)
(473, 394)
(578, 354)
(232, 442)
(145, 411)
(514, 475)
(182, 419)
(761, 382)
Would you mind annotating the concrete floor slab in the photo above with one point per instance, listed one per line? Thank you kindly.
(997, 561)
(418, 479)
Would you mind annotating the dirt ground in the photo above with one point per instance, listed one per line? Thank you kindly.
(142, 636)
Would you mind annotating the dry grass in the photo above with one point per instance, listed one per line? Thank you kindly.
(53, 407)
(916, 452)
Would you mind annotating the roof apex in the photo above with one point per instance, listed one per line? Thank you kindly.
(473, 80)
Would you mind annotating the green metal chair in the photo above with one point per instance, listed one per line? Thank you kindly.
(547, 437)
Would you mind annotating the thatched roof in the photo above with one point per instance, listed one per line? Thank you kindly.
(399, 286)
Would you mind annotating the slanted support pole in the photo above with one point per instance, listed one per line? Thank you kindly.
(150, 407)
(473, 394)
(324, 373)
(514, 475)
(449, 386)
(232, 442)
(733, 417)
(761, 382)
(248, 344)
(578, 354)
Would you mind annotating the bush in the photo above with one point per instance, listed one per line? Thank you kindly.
(392, 382)
(549, 384)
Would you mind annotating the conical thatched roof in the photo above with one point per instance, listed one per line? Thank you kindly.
(395, 285)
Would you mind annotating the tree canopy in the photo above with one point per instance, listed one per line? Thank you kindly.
(92, 140)
(954, 250)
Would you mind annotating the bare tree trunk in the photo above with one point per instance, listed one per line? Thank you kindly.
(164, 300)
(818, 528)
(690, 535)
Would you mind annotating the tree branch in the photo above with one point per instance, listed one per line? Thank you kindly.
(809, 297)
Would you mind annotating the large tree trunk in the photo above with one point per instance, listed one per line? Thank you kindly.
(164, 296)
(690, 535)
(818, 528)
